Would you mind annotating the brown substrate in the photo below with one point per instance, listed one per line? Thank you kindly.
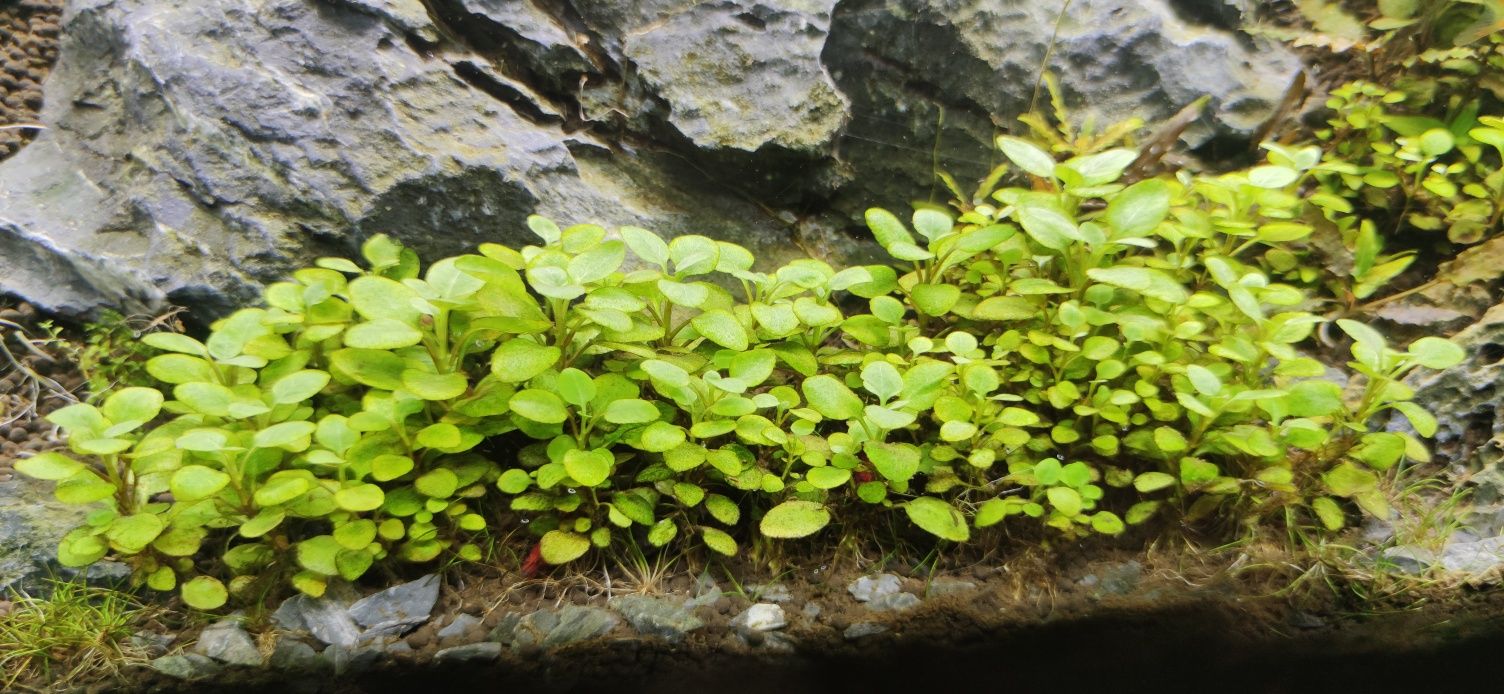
(28, 48)
(25, 398)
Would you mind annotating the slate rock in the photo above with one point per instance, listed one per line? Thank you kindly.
(187, 666)
(861, 630)
(1474, 558)
(292, 655)
(1469, 405)
(579, 623)
(949, 585)
(773, 592)
(346, 660)
(1113, 579)
(707, 592)
(226, 642)
(485, 651)
(400, 608)
(151, 643)
(323, 618)
(869, 588)
(760, 617)
(660, 617)
(459, 627)
(1408, 559)
(196, 150)
(32, 522)
(893, 602)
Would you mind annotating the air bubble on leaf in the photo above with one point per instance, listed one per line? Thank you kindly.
(525, 521)
(571, 490)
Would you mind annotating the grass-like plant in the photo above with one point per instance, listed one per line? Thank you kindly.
(76, 633)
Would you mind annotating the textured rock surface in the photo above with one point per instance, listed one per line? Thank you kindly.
(31, 524)
(295, 128)
(1466, 399)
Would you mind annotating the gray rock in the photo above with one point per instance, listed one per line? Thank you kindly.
(893, 602)
(187, 666)
(32, 523)
(811, 609)
(661, 617)
(323, 618)
(292, 655)
(869, 588)
(1408, 559)
(773, 592)
(399, 608)
(1474, 558)
(949, 585)
(760, 617)
(485, 651)
(707, 592)
(353, 660)
(151, 643)
(293, 129)
(457, 628)
(226, 642)
(549, 628)
(862, 630)
(1114, 579)
(1468, 405)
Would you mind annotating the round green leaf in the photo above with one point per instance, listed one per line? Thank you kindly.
(793, 519)
(205, 593)
(514, 481)
(289, 435)
(131, 534)
(659, 437)
(382, 333)
(1153, 481)
(539, 405)
(589, 468)
(280, 490)
(521, 359)
(364, 497)
(438, 484)
(298, 386)
(1430, 352)
(562, 546)
(631, 411)
(49, 466)
(318, 553)
(194, 482)
(430, 386)
(938, 518)
(831, 398)
(385, 468)
(828, 477)
(133, 405)
(718, 541)
(722, 328)
(264, 522)
(356, 534)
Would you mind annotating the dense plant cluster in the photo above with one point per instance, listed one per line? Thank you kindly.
(1083, 352)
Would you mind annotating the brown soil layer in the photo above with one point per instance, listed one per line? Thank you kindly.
(28, 48)
(26, 398)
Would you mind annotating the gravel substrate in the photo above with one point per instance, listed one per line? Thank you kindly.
(28, 48)
(24, 403)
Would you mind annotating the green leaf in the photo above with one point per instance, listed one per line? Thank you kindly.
(1027, 156)
(938, 518)
(289, 435)
(438, 484)
(280, 490)
(539, 406)
(514, 481)
(660, 437)
(205, 398)
(521, 359)
(1107, 523)
(382, 333)
(1347, 479)
(722, 328)
(723, 509)
(544, 228)
(194, 482)
(575, 387)
(631, 411)
(662, 532)
(1424, 422)
(369, 367)
(1203, 380)
(131, 534)
(318, 554)
(363, 497)
(1065, 500)
(205, 593)
(932, 224)
(49, 466)
(935, 299)
(1152, 481)
(896, 462)
(828, 477)
(132, 405)
(693, 255)
(264, 522)
(179, 368)
(378, 298)
(431, 386)
(1005, 308)
(298, 386)
(597, 262)
(1430, 352)
(1147, 281)
(886, 228)
(1270, 176)
(882, 379)
(174, 342)
(1048, 227)
(718, 541)
(589, 468)
(562, 546)
(794, 519)
(1328, 512)
(645, 245)
(1139, 208)
(831, 398)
